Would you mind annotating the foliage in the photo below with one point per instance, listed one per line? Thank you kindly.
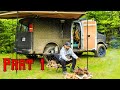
(7, 35)
(115, 43)
(108, 22)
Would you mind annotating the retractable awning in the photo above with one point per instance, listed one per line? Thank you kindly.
(49, 14)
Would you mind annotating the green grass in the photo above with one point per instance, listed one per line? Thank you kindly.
(101, 68)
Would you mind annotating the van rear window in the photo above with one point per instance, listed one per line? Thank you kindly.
(22, 28)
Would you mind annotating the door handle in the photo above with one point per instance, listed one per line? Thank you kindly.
(88, 35)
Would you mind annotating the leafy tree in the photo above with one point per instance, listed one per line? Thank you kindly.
(108, 22)
(7, 35)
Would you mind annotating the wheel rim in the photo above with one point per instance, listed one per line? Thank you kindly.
(51, 51)
(101, 51)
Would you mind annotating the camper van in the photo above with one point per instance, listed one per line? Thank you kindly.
(46, 34)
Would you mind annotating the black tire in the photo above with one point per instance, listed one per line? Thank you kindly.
(101, 51)
(48, 50)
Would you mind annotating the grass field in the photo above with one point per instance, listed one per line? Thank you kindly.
(101, 68)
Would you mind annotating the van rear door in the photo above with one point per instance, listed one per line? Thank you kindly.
(24, 38)
(92, 34)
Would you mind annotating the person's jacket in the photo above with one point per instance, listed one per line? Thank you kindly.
(64, 53)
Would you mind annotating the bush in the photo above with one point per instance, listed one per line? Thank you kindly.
(115, 43)
(7, 35)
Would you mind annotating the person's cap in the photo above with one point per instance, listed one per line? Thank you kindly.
(68, 44)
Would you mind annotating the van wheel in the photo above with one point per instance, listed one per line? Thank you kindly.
(101, 51)
(49, 50)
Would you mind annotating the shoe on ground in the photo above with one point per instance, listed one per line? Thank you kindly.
(64, 72)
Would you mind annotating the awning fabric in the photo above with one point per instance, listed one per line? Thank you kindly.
(49, 14)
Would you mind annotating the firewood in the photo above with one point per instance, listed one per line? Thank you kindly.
(53, 64)
(78, 77)
(83, 73)
(72, 76)
(85, 76)
(86, 71)
(79, 71)
(90, 76)
(67, 76)
(75, 76)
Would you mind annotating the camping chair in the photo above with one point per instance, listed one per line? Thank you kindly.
(68, 64)
(51, 57)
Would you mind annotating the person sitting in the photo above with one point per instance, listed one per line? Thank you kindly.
(66, 55)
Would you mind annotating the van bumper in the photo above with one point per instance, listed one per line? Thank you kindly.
(23, 51)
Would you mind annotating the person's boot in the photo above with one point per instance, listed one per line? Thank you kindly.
(64, 72)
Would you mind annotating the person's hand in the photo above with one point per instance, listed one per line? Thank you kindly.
(69, 59)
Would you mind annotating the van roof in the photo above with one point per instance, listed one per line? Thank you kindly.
(49, 14)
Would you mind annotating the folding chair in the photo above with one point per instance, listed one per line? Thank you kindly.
(51, 57)
(68, 64)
